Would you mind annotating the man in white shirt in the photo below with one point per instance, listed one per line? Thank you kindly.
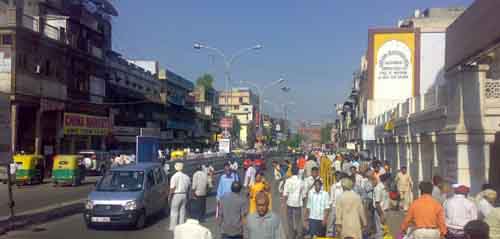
(179, 186)
(250, 176)
(192, 229)
(308, 167)
(317, 210)
(293, 196)
(379, 192)
(459, 210)
(199, 192)
(485, 201)
(309, 181)
(335, 191)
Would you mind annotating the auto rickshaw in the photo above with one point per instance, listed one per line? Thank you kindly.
(68, 170)
(29, 169)
(177, 155)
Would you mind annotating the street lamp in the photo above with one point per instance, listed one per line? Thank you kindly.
(260, 92)
(228, 62)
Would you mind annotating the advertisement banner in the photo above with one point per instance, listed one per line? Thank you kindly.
(226, 123)
(225, 145)
(392, 64)
(81, 124)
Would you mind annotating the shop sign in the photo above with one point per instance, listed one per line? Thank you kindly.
(81, 124)
(130, 131)
(226, 123)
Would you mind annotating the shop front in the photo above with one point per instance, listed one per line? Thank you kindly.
(83, 132)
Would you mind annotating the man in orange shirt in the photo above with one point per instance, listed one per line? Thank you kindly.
(426, 216)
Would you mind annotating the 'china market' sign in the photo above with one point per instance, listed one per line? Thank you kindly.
(80, 124)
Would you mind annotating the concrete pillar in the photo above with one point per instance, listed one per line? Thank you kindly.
(13, 124)
(435, 160)
(418, 149)
(38, 131)
(384, 149)
(396, 162)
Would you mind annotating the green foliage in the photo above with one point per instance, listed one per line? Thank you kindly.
(206, 80)
(294, 141)
(326, 133)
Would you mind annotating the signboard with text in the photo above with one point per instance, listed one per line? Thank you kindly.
(81, 124)
(225, 145)
(226, 123)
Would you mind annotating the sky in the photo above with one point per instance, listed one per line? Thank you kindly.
(314, 45)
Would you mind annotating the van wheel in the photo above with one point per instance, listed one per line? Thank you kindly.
(140, 223)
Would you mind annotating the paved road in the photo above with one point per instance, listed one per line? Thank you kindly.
(32, 197)
(75, 228)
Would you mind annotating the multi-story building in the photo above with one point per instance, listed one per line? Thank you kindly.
(209, 114)
(52, 54)
(242, 104)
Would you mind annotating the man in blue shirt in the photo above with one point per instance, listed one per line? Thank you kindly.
(225, 182)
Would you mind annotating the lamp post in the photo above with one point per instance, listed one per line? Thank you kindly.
(260, 92)
(228, 60)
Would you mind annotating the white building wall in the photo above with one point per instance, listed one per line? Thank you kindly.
(432, 60)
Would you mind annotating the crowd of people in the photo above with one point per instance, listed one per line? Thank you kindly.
(352, 198)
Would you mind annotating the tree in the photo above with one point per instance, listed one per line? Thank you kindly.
(326, 132)
(206, 80)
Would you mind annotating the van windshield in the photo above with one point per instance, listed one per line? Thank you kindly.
(123, 181)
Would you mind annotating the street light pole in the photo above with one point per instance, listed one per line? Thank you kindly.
(228, 63)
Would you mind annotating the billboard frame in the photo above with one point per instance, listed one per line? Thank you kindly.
(371, 51)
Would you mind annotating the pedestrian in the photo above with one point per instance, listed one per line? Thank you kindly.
(179, 186)
(250, 175)
(260, 185)
(459, 210)
(485, 201)
(426, 215)
(309, 165)
(338, 162)
(199, 193)
(346, 166)
(404, 185)
(234, 164)
(350, 215)
(379, 194)
(192, 229)
(317, 210)
(309, 181)
(357, 178)
(301, 164)
(225, 182)
(493, 221)
(293, 194)
(234, 208)
(264, 224)
(477, 229)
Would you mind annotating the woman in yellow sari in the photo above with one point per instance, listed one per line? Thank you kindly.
(259, 185)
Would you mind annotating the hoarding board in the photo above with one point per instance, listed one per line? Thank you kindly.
(147, 149)
(226, 123)
(81, 124)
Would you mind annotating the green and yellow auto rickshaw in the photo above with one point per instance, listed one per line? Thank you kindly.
(68, 170)
(29, 168)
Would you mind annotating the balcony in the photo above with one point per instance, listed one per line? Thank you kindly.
(33, 23)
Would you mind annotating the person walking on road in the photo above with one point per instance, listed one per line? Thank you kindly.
(192, 229)
(234, 208)
(225, 182)
(309, 166)
(199, 193)
(264, 224)
(350, 215)
(379, 194)
(179, 188)
(293, 194)
(318, 207)
(459, 210)
(404, 186)
(426, 215)
(260, 185)
(250, 176)
(309, 181)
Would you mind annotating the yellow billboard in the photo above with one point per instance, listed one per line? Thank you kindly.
(393, 64)
(81, 124)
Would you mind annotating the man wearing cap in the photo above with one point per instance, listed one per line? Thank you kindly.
(350, 215)
(459, 210)
(179, 188)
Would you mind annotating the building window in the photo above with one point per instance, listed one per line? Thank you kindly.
(7, 39)
(241, 100)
